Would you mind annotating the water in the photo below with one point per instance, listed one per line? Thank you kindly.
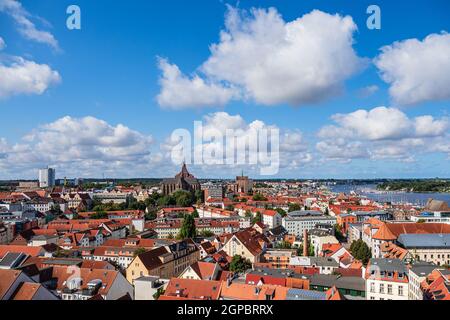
(370, 192)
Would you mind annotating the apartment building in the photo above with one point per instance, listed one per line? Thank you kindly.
(386, 279)
(164, 262)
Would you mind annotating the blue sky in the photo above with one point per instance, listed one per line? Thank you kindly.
(108, 70)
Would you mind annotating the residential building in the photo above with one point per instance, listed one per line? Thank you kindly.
(240, 291)
(386, 279)
(278, 258)
(164, 262)
(145, 288)
(248, 244)
(317, 242)
(296, 225)
(433, 248)
(417, 273)
(324, 264)
(190, 289)
(75, 283)
(351, 287)
(16, 285)
(271, 218)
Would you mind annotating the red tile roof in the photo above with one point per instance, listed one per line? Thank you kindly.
(193, 289)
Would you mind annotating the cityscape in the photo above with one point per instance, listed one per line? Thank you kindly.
(224, 152)
(188, 239)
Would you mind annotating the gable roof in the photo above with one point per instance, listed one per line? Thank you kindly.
(193, 289)
(26, 291)
(31, 251)
(7, 279)
(252, 240)
(205, 270)
(391, 231)
(241, 291)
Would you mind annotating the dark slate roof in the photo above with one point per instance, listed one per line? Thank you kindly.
(325, 280)
(388, 265)
(12, 260)
(278, 231)
(277, 273)
(300, 294)
(423, 269)
(425, 241)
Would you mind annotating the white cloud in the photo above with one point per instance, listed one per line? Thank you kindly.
(85, 147)
(70, 139)
(418, 71)
(26, 77)
(293, 150)
(179, 91)
(381, 133)
(25, 26)
(272, 61)
(341, 150)
(383, 123)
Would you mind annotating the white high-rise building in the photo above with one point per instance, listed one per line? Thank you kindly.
(46, 177)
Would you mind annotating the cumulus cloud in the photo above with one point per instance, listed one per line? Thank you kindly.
(383, 123)
(2, 44)
(271, 61)
(22, 76)
(216, 152)
(417, 71)
(380, 133)
(81, 145)
(179, 91)
(25, 26)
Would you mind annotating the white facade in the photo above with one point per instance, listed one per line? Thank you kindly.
(272, 221)
(296, 225)
(146, 287)
(317, 242)
(46, 177)
(386, 290)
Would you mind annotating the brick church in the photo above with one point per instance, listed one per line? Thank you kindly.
(182, 181)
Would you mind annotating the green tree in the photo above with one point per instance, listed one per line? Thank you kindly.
(361, 251)
(239, 264)
(166, 201)
(259, 197)
(151, 215)
(199, 196)
(257, 218)
(183, 198)
(284, 245)
(99, 215)
(195, 214)
(187, 228)
(158, 293)
(206, 233)
(294, 207)
(56, 208)
(338, 233)
(281, 212)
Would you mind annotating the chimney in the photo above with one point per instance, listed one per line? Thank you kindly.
(305, 243)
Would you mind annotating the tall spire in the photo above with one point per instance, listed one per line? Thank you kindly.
(184, 173)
